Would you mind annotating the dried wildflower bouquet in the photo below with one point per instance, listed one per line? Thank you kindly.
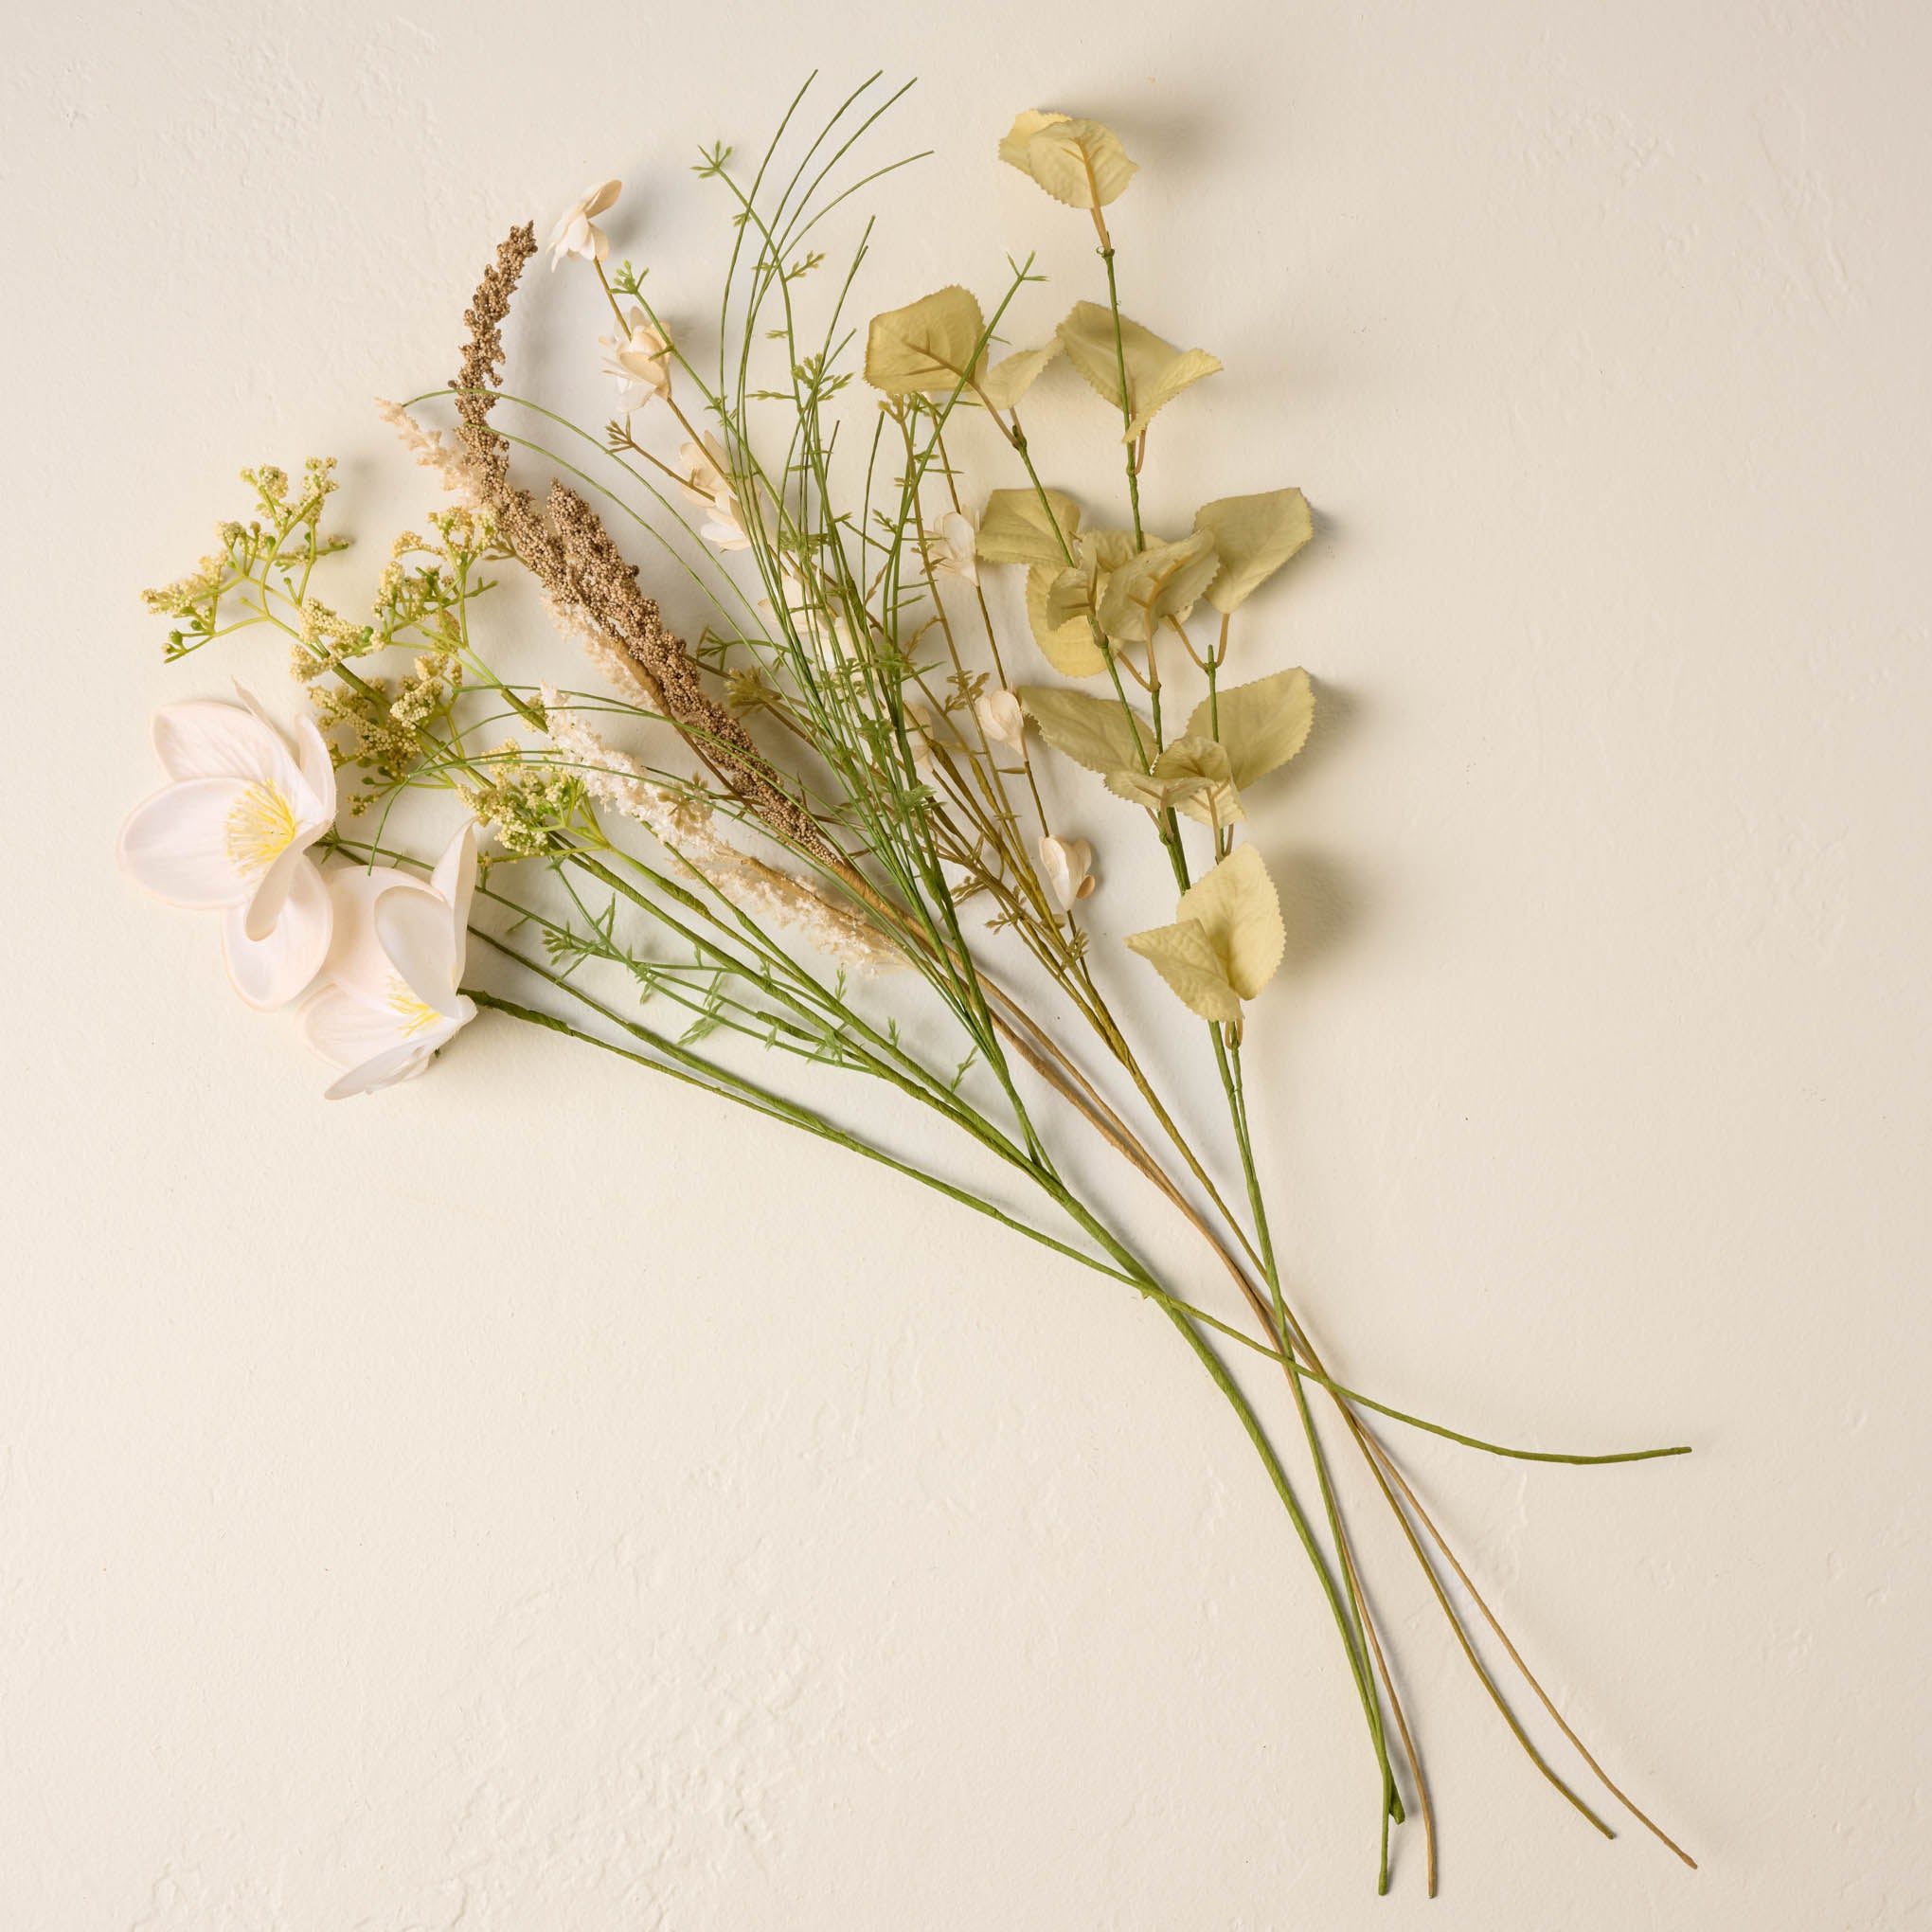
(910, 682)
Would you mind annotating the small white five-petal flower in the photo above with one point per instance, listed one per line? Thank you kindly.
(640, 360)
(390, 998)
(950, 547)
(577, 234)
(1068, 866)
(230, 834)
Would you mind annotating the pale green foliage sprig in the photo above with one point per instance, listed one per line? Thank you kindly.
(524, 801)
(282, 541)
(424, 597)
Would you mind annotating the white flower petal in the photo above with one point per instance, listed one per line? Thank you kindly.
(356, 960)
(266, 903)
(347, 1029)
(317, 767)
(377, 1046)
(386, 1069)
(208, 738)
(176, 844)
(599, 199)
(415, 930)
(313, 797)
(271, 972)
(454, 878)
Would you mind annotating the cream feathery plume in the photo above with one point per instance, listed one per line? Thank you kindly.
(454, 467)
(685, 826)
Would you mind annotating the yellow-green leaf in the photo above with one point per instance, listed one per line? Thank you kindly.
(1095, 732)
(1261, 724)
(1203, 780)
(1016, 528)
(1071, 595)
(1078, 162)
(926, 347)
(1068, 647)
(1009, 379)
(1012, 147)
(1162, 581)
(1077, 592)
(1255, 536)
(1157, 370)
(1191, 776)
(1140, 788)
(1237, 908)
(1184, 957)
(1109, 550)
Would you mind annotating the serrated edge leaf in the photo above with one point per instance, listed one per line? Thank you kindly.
(1069, 648)
(1190, 366)
(1236, 906)
(1202, 777)
(1185, 957)
(1094, 732)
(1161, 581)
(1247, 559)
(1262, 724)
(1157, 370)
(1013, 528)
(1079, 162)
(928, 346)
(1013, 146)
(1009, 379)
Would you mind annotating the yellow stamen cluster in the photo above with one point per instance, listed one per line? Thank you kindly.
(416, 1016)
(261, 826)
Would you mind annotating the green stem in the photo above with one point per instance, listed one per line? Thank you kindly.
(683, 1066)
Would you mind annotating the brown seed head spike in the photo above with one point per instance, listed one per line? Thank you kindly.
(605, 586)
(573, 556)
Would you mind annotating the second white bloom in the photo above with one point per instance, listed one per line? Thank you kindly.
(393, 969)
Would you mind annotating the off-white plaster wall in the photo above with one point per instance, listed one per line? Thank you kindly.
(539, 1502)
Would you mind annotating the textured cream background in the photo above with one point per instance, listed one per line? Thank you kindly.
(540, 1501)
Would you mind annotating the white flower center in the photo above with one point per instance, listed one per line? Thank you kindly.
(413, 1015)
(261, 826)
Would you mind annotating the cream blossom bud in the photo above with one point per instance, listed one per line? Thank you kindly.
(950, 547)
(1002, 719)
(1067, 867)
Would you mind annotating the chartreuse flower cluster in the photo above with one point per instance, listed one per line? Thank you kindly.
(924, 674)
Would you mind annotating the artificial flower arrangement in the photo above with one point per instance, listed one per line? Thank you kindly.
(859, 767)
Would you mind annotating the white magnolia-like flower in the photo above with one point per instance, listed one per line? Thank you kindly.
(1002, 719)
(577, 234)
(230, 834)
(1068, 866)
(950, 547)
(639, 361)
(708, 486)
(389, 997)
